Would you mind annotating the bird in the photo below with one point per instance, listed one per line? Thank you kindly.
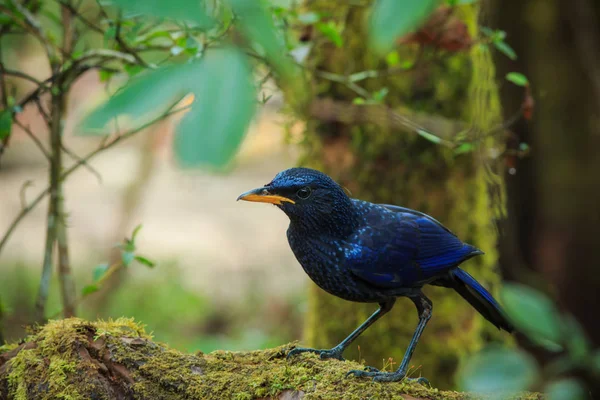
(372, 253)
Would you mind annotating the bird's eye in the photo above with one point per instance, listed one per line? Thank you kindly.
(304, 192)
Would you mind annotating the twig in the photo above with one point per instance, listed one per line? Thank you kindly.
(75, 157)
(19, 74)
(43, 112)
(106, 53)
(79, 15)
(24, 187)
(126, 47)
(73, 168)
(435, 128)
(35, 139)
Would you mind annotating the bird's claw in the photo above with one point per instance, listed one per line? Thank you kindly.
(379, 376)
(324, 354)
(371, 369)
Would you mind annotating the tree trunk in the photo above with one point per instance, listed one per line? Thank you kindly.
(554, 196)
(74, 359)
(399, 167)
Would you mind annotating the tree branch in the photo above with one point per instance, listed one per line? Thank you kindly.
(443, 129)
(65, 273)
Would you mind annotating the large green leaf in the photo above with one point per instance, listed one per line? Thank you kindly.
(185, 10)
(223, 108)
(566, 389)
(391, 19)
(533, 313)
(499, 371)
(142, 96)
(224, 105)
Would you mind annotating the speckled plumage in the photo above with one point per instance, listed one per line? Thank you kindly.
(366, 252)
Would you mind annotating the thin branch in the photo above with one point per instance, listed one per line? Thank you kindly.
(106, 145)
(43, 112)
(84, 163)
(19, 74)
(22, 196)
(107, 54)
(35, 139)
(126, 47)
(80, 16)
(435, 128)
(344, 80)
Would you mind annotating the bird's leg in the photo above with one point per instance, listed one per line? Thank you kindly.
(337, 351)
(424, 308)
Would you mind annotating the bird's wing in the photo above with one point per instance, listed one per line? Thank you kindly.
(403, 249)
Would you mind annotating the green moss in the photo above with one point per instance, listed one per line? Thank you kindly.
(402, 168)
(63, 361)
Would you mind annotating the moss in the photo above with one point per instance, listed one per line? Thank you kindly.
(75, 359)
(402, 168)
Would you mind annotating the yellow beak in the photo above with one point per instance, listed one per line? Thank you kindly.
(262, 195)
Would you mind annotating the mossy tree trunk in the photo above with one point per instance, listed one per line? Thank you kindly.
(398, 167)
(74, 359)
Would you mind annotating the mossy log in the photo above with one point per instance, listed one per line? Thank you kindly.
(75, 359)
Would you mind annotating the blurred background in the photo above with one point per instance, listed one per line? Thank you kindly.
(484, 114)
(225, 276)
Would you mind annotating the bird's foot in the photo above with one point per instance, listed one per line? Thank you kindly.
(379, 376)
(324, 354)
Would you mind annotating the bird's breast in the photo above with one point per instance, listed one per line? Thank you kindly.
(323, 260)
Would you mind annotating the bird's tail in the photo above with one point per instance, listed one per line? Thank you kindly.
(479, 298)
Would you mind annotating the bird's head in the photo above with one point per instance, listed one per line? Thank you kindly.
(308, 197)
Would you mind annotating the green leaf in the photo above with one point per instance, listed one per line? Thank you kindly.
(105, 75)
(566, 389)
(505, 49)
(133, 70)
(596, 361)
(145, 261)
(184, 10)
(135, 232)
(464, 148)
(498, 370)
(533, 313)
(99, 271)
(143, 95)
(429, 136)
(109, 34)
(223, 108)
(5, 123)
(127, 257)
(392, 59)
(391, 19)
(517, 78)
(575, 339)
(332, 32)
(256, 24)
(380, 94)
(89, 289)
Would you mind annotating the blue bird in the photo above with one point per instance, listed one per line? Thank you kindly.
(372, 253)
